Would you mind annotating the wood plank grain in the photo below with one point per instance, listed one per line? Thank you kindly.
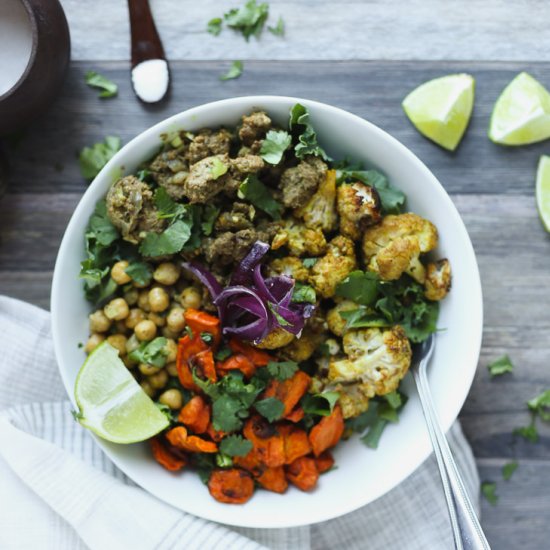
(45, 158)
(324, 29)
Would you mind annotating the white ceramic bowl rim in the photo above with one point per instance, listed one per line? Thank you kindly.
(270, 510)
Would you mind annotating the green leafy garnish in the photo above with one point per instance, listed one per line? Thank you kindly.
(529, 433)
(321, 404)
(283, 370)
(301, 127)
(274, 146)
(234, 71)
(279, 28)
(362, 287)
(108, 87)
(93, 159)
(209, 216)
(235, 445)
(488, 489)
(309, 262)
(167, 207)
(214, 26)
(363, 318)
(508, 469)
(304, 293)
(218, 168)
(254, 191)
(151, 353)
(270, 408)
(280, 319)
(170, 241)
(141, 272)
(167, 411)
(223, 461)
(248, 19)
(223, 353)
(540, 405)
(206, 337)
(500, 366)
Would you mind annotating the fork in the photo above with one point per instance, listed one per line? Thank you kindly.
(467, 531)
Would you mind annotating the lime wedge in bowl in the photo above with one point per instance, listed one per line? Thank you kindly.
(111, 403)
(543, 191)
(521, 114)
(440, 109)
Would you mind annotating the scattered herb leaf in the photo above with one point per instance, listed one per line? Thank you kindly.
(235, 445)
(254, 191)
(540, 405)
(209, 216)
(141, 272)
(248, 19)
(301, 127)
(362, 287)
(223, 461)
(93, 159)
(152, 353)
(304, 293)
(218, 168)
(234, 71)
(170, 241)
(283, 370)
(279, 28)
(96, 80)
(500, 366)
(321, 404)
(274, 146)
(488, 489)
(508, 469)
(528, 433)
(270, 408)
(214, 26)
(223, 353)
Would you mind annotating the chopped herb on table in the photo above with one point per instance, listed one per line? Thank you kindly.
(278, 29)
(249, 19)
(214, 26)
(235, 71)
(488, 490)
(93, 159)
(108, 87)
(500, 366)
(508, 469)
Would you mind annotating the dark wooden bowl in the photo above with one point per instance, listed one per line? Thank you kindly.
(44, 74)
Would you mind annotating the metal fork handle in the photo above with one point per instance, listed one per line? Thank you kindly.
(464, 522)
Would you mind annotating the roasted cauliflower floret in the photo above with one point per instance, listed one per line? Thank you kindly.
(393, 246)
(438, 280)
(277, 338)
(376, 357)
(300, 239)
(354, 398)
(289, 266)
(320, 211)
(336, 323)
(303, 347)
(333, 267)
(359, 207)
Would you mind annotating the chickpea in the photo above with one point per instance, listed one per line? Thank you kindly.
(93, 341)
(158, 380)
(171, 349)
(175, 319)
(118, 341)
(99, 322)
(172, 398)
(171, 369)
(191, 298)
(159, 320)
(117, 309)
(118, 273)
(135, 284)
(145, 330)
(143, 300)
(166, 273)
(132, 344)
(131, 296)
(120, 327)
(158, 299)
(134, 317)
(148, 370)
(167, 333)
(147, 388)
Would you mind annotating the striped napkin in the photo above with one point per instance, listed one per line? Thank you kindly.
(59, 491)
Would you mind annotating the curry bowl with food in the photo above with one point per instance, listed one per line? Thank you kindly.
(259, 270)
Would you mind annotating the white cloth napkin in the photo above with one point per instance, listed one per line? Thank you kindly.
(59, 491)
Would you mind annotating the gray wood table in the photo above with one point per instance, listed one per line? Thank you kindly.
(492, 187)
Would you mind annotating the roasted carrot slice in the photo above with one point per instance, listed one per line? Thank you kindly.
(215, 435)
(199, 321)
(251, 463)
(188, 347)
(324, 462)
(267, 441)
(237, 362)
(328, 432)
(303, 473)
(273, 479)
(179, 437)
(258, 357)
(164, 457)
(289, 391)
(296, 442)
(232, 486)
(295, 415)
(195, 415)
(203, 362)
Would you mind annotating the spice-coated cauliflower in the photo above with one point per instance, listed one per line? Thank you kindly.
(320, 211)
(359, 207)
(393, 246)
(277, 338)
(333, 267)
(438, 280)
(336, 323)
(376, 357)
(300, 239)
(290, 266)
(302, 347)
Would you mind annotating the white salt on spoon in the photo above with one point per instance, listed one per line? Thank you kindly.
(150, 80)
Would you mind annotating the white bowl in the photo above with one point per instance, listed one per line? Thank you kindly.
(362, 475)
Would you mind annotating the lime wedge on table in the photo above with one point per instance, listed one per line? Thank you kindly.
(111, 402)
(543, 191)
(441, 108)
(521, 114)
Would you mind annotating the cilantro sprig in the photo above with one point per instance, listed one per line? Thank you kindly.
(108, 87)
(274, 145)
(234, 71)
(151, 353)
(500, 366)
(235, 445)
(93, 159)
(300, 126)
(254, 191)
(249, 19)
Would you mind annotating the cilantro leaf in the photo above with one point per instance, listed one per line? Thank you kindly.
(167, 207)
(304, 293)
(100, 225)
(170, 241)
(283, 370)
(279, 28)
(234, 71)
(254, 191)
(274, 146)
(508, 469)
(223, 353)
(209, 216)
(321, 404)
(225, 413)
(248, 19)
(500, 366)
(361, 318)
(307, 137)
(218, 168)
(309, 262)
(214, 26)
(151, 353)
(223, 461)
(282, 322)
(108, 87)
(359, 286)
(528, 433)
(141, 272)
(235, 445)
(488, 489)
(93, 159)
(167, 411)
(270, 408)
(540, 405)
(372, 438)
